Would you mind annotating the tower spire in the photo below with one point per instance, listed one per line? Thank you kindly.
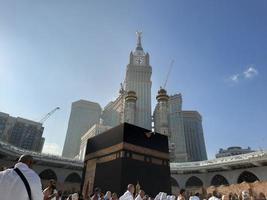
(139, 43)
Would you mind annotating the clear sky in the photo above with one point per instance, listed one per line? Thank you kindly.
(55, 52)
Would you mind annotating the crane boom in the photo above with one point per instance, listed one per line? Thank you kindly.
(168, 74)
(48, 115)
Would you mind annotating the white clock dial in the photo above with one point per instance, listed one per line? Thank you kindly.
(139, 60)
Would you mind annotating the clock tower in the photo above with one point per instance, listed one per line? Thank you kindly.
(138, 79)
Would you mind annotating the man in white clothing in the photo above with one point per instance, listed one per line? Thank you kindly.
(12, 186)
(245, 195)
(50, 193)
(195, 197)
(128, 195)
(214, 196)
(141, 195)
(163, 196)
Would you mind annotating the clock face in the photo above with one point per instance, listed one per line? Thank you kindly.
(139, 60)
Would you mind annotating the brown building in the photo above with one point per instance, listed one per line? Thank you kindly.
(23, 133)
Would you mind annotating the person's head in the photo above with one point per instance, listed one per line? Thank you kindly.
(235, 196)
(26, 159)
(142, 193)
(130, 188)
(59, 193)
(97, 191)
(52, 184)
(2, 168)
(114, 196)
(75, 196)
(182, 192)
(209, 195)
(226, 197)
(146, 197)
(108, 195)
(197, 194)
(214, 193)
(245, 195)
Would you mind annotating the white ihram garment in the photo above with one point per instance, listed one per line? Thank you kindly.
(172, 197)
(127, 196)
(13, 188)
(213, 198)
(194, 198)
(138, 197)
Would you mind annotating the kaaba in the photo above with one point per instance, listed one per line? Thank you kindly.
(127, 154)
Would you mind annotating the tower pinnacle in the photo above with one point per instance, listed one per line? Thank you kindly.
(139, 43)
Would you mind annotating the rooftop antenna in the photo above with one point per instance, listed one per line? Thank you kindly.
(168, 74)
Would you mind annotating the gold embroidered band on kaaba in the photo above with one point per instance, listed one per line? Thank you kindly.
(122, 149)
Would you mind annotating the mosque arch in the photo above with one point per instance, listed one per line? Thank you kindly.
(248, 177)
(73, 178)
(218, 180)
(175, 187)
(174, 183)
(48, 174)
(194, 181)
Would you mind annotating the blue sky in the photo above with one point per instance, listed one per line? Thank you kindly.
(55, 52)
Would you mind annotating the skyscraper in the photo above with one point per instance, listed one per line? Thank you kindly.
(138, 75)
(176, 126)
(184, 128)
(194, 137)
(84, 114)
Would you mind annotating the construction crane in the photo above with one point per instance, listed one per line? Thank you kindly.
(168, 74)
(48, 115)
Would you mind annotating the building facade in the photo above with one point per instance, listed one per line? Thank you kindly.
(93, 131)
(20, 132)
(84, 114)
(227, 171)
(112, 114)
(194, 137)
(176, 126)
(231, 151)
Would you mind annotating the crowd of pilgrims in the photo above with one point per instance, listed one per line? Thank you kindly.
(131, 194)
(23, 183)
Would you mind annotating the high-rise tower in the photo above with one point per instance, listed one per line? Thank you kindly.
(194, 137)
(84, 114)
(130, 107)
(138, 79)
